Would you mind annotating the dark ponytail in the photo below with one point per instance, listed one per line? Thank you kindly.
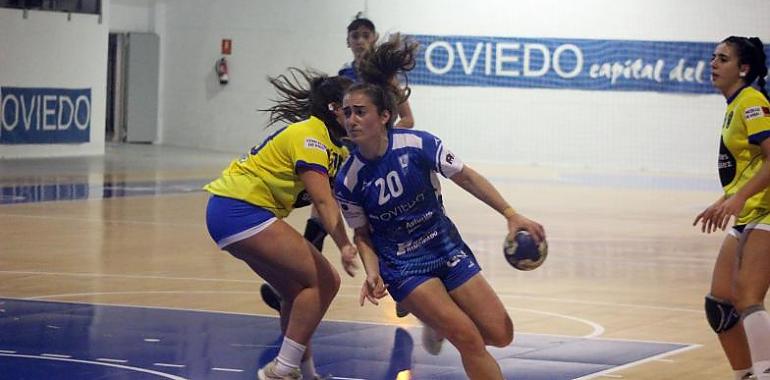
(761, 64)
(380, 70)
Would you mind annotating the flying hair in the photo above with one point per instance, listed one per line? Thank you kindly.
(384, 64)
(305, 93)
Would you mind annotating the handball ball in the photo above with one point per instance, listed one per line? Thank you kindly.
(522, 253)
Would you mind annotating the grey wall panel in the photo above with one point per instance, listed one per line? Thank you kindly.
(142, 87)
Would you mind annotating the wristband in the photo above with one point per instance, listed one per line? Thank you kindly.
(509, 212)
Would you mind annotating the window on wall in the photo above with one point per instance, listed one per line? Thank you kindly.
(70, 6)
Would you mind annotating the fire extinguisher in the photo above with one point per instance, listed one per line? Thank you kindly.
(221, 68)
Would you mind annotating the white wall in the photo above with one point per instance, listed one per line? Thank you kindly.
(47, 50)
(132, 16)
(267, 37)
(612, 130)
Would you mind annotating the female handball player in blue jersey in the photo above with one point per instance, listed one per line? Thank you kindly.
(291, 168)
(389, 194)
(735, 306)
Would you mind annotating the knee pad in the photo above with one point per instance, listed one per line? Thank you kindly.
(721, 315)
(315, 233)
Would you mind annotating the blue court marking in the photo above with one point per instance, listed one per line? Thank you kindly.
(48, 192)
(45, 340)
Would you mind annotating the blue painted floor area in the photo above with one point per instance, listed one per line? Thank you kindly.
(49, 192)
(58, 340)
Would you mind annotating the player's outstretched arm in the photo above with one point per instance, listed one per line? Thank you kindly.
(317, 185)
(474, 183)
(373, 288)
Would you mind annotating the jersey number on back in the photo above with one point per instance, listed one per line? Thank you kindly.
(390, 187)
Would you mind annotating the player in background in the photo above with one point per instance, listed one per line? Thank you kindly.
(735, 305)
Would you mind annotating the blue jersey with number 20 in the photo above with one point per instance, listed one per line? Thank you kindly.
(399, 196)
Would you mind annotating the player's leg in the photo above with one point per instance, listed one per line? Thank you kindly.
(752, 282)
(480, 302)
(720, 309)
(315, 234)
(304, 278)
(431, 303)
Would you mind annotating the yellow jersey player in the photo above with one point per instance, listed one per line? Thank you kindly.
(267, 176)
(735, 305)
(291, 168)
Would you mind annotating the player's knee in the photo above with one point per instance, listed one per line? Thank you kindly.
(721, 315)
(466, 340)
(502, 335)
(747, 295)
(337, 282)
(330, 284)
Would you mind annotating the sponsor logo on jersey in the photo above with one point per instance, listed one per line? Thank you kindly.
(756, 112)
(399, 209)
(404, 160)
(413, 245)
(417, 222)
(455, 259)
(312, 143)
(449, 158)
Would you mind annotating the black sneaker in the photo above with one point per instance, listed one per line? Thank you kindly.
(400, 311)
(270, 296)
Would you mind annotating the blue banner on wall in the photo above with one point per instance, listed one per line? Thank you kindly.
(44, 115)
(603, 65)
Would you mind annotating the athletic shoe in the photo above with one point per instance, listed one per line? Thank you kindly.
(431, 340)
(400, 311)
(270, 296)
(266, 373)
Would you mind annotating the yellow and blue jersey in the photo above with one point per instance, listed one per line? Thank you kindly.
(746, 125)
(268, 176)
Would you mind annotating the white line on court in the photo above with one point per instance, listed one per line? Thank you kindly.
(226, 369)
(144, 370)
(169, 365)
(598, 329)
(108, 360)
(638, 362)
(500, 294)
(56, 356)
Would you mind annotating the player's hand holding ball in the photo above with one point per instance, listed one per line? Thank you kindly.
(525, 247)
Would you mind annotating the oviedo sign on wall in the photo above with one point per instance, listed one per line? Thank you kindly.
(603, 65)
(44, 115)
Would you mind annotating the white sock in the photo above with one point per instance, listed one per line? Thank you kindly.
(308, 369)
(289, 357)
(741, 373)
(757, 326)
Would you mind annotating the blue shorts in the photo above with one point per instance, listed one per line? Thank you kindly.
(231, 220)
(460, 267)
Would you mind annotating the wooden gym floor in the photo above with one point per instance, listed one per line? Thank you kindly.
(128, 229)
